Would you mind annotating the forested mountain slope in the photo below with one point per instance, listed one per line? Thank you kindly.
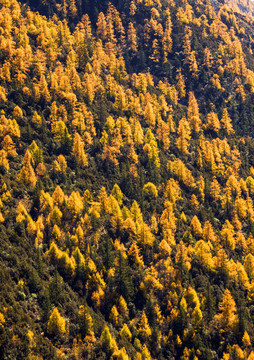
(127, 181)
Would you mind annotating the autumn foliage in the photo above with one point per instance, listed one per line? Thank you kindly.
(127, 180)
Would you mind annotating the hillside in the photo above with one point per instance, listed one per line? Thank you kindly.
(127, 180)
(244, 6)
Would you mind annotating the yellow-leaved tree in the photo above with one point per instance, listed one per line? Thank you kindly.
(227, 317)
(78, 151)
(27, 175)
(183, 132)
(144, 330)
(193, 113)
(56, 325)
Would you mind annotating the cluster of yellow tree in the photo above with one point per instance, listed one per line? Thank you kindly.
(194, 214)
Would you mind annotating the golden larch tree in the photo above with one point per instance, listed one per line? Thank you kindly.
(227, 122)
(144, 330)
(56, 325)
(163, 133)
(193, 113)
(167, 40)
(78, 151)
(227, 317)
(149, 115)
(9, 146)
(132, 37)
(180, 86)
(27, 175)
(183, 136)
(213, 122)
(203, 254)
(101, 27)
(196, 227)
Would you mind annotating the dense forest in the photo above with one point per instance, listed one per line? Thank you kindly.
(126, 180)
